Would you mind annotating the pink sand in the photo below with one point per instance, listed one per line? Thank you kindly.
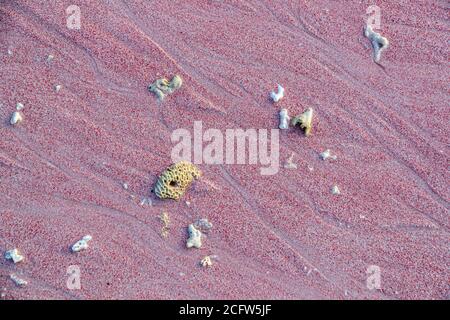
(279, 237)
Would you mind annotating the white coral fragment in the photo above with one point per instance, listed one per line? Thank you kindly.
(278, 95)
(17, 280)
(379, 43)
(195, 237)
(335, 190)
(327, 154)
(14, 255)
(81, 244)
(284, 119)
(16, 118)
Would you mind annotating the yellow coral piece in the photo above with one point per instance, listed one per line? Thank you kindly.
(162, 87)
(174, 181)
(304, 120)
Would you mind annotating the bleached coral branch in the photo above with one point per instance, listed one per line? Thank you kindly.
(279, 95)
(379, 43)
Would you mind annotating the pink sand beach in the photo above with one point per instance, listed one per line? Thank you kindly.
(281, 236)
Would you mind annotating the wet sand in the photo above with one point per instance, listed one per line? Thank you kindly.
(275, 237)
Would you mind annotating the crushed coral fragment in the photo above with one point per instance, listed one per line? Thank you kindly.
(278, 95)
(195, 237)
(17, 280)
(379, 43)
(81, 244)
(284, 119)
(16, 118)
(203, 225)
(19, 106)
(289, 164)
(162, 87)
(304, 120)
(327, 154)
(14, 255)
(146, 202)
(335, 190)
(164, 217)
(58, 87)
(50, 58)
(174, 181)
(206, 262)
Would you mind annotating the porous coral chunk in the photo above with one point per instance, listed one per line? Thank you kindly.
(174, 181)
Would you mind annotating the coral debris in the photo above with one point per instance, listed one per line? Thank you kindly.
(278, 95)
(163, 87)
(379, 43)
(195, 237)
(14, 255)
(174, 181)
(18, 281)
(16, 118)
(81, 244)
(206, 262)
(304, 121)
(284, 119)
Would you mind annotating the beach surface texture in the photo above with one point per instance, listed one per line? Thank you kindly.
(92, 140)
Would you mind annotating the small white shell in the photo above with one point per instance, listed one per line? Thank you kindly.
(19, 106)
(58, 87)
